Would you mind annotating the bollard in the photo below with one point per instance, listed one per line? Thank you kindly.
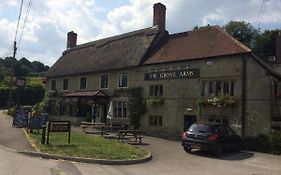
(43, 135)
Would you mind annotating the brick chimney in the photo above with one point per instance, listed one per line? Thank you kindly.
(278, 47)
(71, 40)
(159, 16)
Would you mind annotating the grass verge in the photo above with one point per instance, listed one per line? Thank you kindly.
(87, 146)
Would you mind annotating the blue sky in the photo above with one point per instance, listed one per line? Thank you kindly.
(44, 36)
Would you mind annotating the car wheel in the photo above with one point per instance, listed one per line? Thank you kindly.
(219, 150)
(188, 150)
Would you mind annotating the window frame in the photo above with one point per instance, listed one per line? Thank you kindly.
(156, 90)
(155, 120)
(65, 86)
(80, 85)
(107, 81)
(120, 109)
(212, 88)
(53, 85)
(121, 75)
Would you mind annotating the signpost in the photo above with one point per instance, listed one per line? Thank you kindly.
(59, 126)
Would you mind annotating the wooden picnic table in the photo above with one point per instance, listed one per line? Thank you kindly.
(130, 133)
(101, 127)
(93, 125)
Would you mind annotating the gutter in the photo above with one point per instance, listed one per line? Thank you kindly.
(243, 104)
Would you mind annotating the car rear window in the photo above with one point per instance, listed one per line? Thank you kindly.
(201, 128)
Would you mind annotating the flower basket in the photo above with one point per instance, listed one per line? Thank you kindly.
(221, 101)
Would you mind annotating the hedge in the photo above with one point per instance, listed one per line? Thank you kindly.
(270, 143)
(29, 95)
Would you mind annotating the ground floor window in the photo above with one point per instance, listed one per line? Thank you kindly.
(120, 109)
(155, 120)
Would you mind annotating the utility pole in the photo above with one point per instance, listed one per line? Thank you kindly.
(12, 76)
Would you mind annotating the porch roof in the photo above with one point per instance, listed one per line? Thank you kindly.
(93, 93)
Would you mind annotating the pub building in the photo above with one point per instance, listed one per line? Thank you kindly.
(199, 75)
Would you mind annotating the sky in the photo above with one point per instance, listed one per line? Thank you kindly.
(43, 37)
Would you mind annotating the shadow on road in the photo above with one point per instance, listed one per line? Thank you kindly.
(231, 156)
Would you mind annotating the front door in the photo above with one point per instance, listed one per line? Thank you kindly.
(188, 120)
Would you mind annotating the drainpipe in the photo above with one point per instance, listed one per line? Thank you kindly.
(243, 75)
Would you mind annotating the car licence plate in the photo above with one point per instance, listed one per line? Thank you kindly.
(195, 146)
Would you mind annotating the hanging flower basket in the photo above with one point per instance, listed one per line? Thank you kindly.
(222, 101)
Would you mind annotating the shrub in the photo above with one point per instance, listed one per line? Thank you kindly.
(270, 143)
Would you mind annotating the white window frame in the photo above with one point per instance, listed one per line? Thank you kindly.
(119, 80)
(123, 113)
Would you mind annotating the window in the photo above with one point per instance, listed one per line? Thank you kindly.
(219, 88)
(155, 120)
(83, 83)
(65, 84)
(53, 85)
(123, 80)
(104, 81)
(120, 109)
(156, 90)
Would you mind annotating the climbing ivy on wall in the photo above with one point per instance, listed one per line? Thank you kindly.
(136, 104)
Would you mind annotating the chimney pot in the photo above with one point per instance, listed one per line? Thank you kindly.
(159, 16)
(71, 40)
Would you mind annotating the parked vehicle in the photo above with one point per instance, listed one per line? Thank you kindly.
(216, 138)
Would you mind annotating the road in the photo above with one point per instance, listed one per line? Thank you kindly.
(168, 159)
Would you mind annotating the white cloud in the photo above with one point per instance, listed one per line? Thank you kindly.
(49, 21)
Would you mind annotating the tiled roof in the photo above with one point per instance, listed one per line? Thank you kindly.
(117, 52)
(201, 43)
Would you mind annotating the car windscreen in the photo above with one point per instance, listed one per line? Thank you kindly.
(201, 128)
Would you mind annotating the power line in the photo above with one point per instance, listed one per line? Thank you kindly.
(25, 19)
(21, 4)
(261, 12)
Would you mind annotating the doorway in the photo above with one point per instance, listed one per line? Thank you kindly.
(188, 120)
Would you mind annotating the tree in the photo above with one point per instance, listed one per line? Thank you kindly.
(243, 32)
(265, 44)
(38, 66)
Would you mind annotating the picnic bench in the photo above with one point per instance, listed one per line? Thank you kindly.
(101, 128)
(129, 133)
(92, 125)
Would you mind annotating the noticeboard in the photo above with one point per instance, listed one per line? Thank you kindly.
(20, 119)
(59, 126)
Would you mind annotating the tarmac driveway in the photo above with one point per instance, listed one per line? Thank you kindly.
(168, 159)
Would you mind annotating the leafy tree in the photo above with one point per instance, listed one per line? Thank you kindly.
(200, 27)
(265, 44)
(243, 32)
(38, 66)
